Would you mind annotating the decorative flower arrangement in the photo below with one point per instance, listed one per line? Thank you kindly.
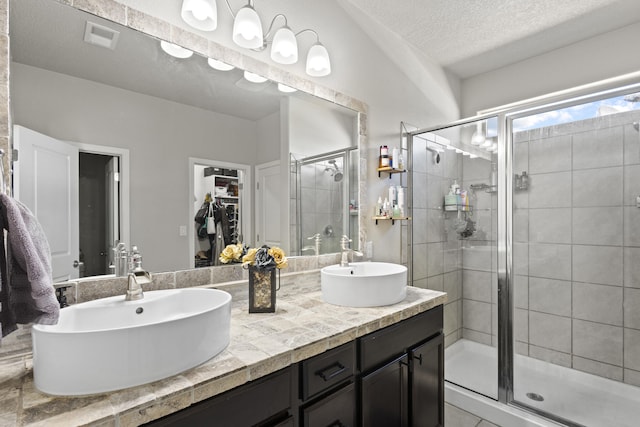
(264, 258)
(262, 264)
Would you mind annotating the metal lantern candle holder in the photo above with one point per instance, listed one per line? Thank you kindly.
(262, 290)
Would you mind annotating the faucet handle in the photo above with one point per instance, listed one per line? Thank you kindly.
(344, 241)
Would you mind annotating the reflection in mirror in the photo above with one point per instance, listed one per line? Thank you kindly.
(326, 204)
(133, 98)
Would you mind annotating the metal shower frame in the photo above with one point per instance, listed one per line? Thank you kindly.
(506, 115)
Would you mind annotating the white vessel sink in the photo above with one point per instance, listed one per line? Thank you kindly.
(364, 284)
(110, 344)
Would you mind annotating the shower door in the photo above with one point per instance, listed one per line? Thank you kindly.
(326, 206)
(454, 228)
(575, 276)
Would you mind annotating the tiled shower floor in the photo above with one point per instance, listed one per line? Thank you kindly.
(576, 396)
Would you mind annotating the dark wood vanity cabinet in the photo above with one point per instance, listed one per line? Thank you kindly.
(391, 377)
(402, 373)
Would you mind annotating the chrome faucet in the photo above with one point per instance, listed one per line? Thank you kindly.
(316, 238)
(136, 278)
(344, 245)
(346, 251)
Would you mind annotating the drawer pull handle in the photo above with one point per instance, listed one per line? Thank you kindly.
(331, 371)
(336, 423)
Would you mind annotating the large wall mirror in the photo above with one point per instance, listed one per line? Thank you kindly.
(101, 109)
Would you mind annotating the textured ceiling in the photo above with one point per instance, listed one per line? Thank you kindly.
(469, 37)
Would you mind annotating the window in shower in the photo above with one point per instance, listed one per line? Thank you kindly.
(454, 243)
(576, 261)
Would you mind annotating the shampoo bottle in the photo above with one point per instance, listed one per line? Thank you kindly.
(395, 158)
(401, 201)
(392, 194)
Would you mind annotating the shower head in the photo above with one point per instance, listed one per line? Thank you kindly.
(335, 172)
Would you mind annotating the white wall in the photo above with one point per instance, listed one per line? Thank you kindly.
(608, 55)
(315, 129)
(160, 135)
(268, 130)
(359, 69)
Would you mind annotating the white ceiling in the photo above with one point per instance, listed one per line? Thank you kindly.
(470, 37)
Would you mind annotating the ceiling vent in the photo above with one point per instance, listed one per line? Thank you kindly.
(100, 35)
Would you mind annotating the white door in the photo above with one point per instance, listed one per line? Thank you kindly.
(46, 181)
(113, 208)
(268, 204)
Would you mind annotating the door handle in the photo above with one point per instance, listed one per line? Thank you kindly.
(418, 358)
(76, 264)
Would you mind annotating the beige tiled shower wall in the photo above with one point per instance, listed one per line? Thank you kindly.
(436, 248)
(577, 246)
(479, 256)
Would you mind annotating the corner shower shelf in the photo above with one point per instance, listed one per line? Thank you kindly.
(456, 208)
(389, 218)
(390, 171)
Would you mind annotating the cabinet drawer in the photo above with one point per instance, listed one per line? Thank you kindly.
(267, 398)
(381, 346)
(336, 410)
(327, 369)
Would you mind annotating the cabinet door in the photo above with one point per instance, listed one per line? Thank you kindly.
(384, 395)
(427, 384)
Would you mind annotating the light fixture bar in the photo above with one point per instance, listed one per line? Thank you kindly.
(248, 33)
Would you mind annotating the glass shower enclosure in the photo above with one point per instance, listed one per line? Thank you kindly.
(324, 203)
(530, 220)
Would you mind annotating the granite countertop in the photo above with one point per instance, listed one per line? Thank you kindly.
(302, 326)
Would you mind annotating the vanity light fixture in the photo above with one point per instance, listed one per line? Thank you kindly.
(318, 63)
(200, 14)
(285, 88)
(248, 33)
(254, 78)
(175, 50)
(247, 28)
(219, 65)
(284, 48)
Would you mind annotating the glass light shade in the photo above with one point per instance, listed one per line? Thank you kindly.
(318, 63)
(200, 14)
(478, 137)
(285, 88)
(284, 49)
(175, 50)
(247, 29)
(219, 65)
(254, 78)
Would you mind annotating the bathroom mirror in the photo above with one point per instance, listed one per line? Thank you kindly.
(157, 113)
